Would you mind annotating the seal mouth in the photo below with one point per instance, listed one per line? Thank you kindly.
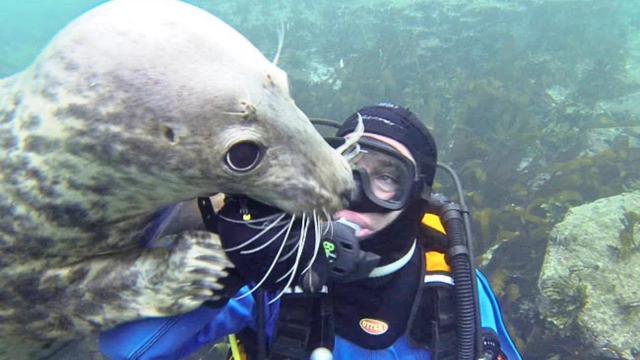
(318, 199)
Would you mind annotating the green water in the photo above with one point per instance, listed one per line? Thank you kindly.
(27, 26)
(535, 103)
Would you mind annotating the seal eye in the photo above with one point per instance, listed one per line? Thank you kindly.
(243, 156)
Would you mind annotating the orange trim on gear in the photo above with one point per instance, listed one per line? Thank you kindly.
(433, 221)
(436, 262)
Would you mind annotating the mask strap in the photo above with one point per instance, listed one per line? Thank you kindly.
(209, 216)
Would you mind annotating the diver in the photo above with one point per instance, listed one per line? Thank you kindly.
(390, 280)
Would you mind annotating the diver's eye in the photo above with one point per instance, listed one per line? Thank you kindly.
(243, 156)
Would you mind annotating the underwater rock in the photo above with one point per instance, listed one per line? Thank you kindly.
(589, 283)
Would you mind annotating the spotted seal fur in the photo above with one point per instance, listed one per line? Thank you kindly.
(133, 106)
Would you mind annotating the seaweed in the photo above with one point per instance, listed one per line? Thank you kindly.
(565, 298)
(629, 244)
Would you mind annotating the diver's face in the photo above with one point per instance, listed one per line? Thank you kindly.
(370, 223)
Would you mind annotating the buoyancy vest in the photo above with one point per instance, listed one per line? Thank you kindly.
(417, 301)
(372, 313)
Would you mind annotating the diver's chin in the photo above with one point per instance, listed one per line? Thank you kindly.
(364, 233)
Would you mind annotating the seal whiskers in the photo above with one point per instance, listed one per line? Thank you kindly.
(350, 147)
(257, 236)
(281, 33)
(273, 263)
(317, 236)
(305, 249)
(303, 235)
(268, 242)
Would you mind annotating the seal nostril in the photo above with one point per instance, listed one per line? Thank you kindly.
(169, 134)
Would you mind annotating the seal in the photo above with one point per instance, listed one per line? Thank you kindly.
(133, 106)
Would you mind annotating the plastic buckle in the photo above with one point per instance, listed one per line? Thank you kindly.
(290, 342)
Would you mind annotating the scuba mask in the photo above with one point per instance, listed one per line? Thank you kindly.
(385, 179)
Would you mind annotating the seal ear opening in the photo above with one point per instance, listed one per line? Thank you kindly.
(243, 156)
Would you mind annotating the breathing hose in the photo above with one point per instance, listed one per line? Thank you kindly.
(457, 225)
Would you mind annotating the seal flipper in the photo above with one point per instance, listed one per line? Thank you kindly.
(108, 290)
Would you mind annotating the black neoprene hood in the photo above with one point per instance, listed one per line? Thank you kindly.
(403, 126)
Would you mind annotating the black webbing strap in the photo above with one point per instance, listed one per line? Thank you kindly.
(305, 323)
(432, 320)
(208, 214)
(444, 340)
(326, 327)
(261, 341)
(293, 328)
